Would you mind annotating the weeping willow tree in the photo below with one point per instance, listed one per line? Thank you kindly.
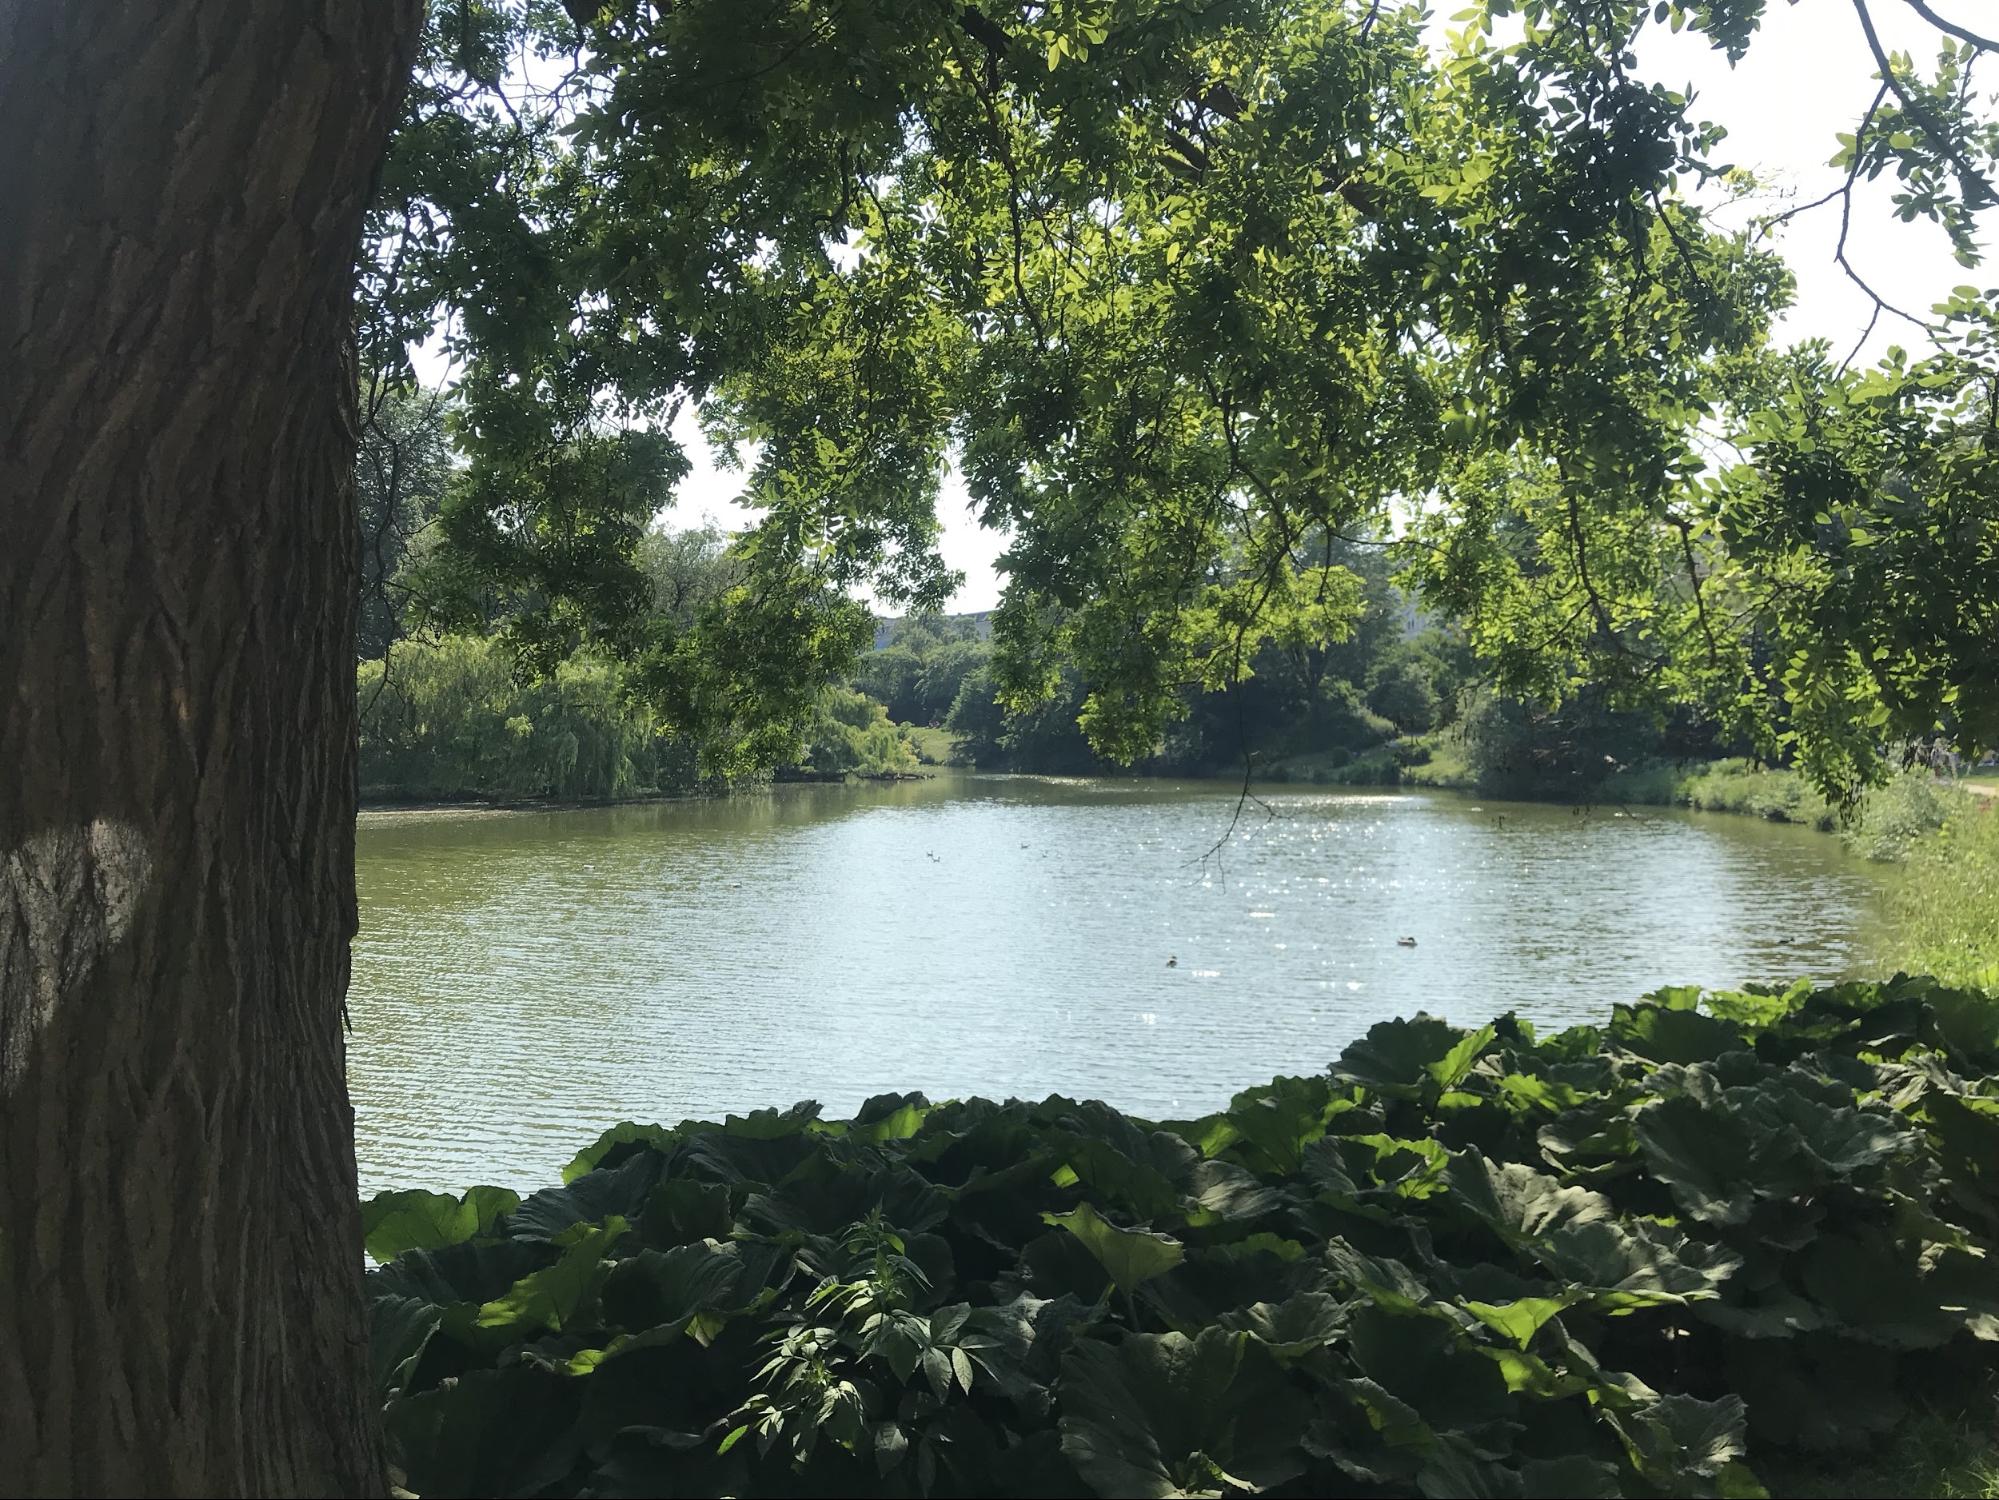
(1193, 289)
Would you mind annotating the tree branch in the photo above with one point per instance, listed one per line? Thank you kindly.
(1968, 174)
(1982, 43)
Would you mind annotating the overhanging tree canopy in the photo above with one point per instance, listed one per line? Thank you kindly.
(1191, 291)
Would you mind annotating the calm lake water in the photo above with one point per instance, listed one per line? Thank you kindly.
(522, 980)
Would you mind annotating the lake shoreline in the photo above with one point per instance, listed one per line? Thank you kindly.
(380, 802)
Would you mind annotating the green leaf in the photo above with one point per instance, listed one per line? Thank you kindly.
(1679, 1434)
(1163, 1415)
(1297, 1325)
(890, 1117)
(1636, 1264)
(1450, 1070)
(398, 1328)
(1426, 1359)
(1130, 1257)
(548, 1300)
(593, 1198)
(1518, 1320)
(618, 1140)
(680, 1212)
(1672, 1035)
(1275, 1122)
(416, 1220)
(475, 1271)
(508, 1432)
(1400, 1058)
(671, 1287)
(1522, 1205)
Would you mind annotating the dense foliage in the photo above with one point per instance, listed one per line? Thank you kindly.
(918, 672)
(451, 718)
(850, 732)
(1642, 1258)
(456, 717)
(1188, 291)
(1391, 672)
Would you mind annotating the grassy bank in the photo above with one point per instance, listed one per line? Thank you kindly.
(933, 746)
(1433, 760)
(1891, 823)
(1947, 909)
(1730, 786)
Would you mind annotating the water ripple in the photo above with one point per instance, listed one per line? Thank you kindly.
(523, 981)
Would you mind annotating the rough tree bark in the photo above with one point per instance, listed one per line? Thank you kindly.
(181, 194)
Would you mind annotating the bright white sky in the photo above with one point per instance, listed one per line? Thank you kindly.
(1807, 76)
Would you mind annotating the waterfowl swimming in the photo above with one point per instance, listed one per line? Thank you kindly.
(1405, 942)
(1173, 961)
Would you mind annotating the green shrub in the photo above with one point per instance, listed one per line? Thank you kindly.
(1894, 819)
(850, 732)
(1404, 694)
(1518, 749)
(1654, 1257)
(1777, 795)
(1890, 823)
(450, 719)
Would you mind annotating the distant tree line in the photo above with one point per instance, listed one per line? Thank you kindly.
(1360, 708)
(454, 703)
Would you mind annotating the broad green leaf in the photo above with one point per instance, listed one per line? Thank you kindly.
(1673, 1035)
(594, 1198)
(670, 1287)
(398, 1328)
(1518, 1320)
(1130, 1257)
(1428, 1360)
(1520, 1204)
(1297, 1325)
(416, 1220)
(620, 1138)
(1163, 1415)
(1400, 1058)
(505, 1432)
(680, 1212)
(1457, 1062)
(551, 1299)
(1680, 1435)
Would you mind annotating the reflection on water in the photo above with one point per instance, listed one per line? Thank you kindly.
(522, 980)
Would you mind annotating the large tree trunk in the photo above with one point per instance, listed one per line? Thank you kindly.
(181, 194)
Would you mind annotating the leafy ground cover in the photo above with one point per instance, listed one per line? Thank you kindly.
(1719, 1243)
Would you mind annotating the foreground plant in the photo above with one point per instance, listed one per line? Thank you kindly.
(1637, 1259)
